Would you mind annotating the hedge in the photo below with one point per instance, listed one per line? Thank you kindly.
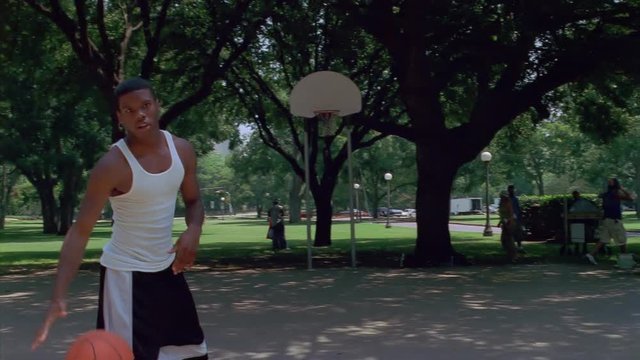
(542, 216)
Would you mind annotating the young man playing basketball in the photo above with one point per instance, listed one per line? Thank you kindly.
(144, 297)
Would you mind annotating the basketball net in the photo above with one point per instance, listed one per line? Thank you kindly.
(327, 122)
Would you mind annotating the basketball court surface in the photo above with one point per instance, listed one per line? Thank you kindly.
(557, 311)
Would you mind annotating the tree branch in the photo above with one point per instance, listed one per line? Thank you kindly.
(83, 35)
(107, 51)
(152, 39)
(214, 68)
(124, 42)
(264, 131)
(76, 34)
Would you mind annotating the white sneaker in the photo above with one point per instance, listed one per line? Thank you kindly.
(591, 259)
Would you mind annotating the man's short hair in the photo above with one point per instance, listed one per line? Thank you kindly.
(130, 85)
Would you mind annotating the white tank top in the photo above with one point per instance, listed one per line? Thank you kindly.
(143, 217)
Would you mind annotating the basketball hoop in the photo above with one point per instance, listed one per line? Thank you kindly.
(327, 122)
(310, 98)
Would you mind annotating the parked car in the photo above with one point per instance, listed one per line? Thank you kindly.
(410, 212)
(398, 212)
(382, 211)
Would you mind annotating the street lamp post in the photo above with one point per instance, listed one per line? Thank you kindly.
(222, 204)
(486, 158)
(388, 178)
(356, 186)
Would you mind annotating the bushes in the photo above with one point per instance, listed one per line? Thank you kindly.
(542, 216)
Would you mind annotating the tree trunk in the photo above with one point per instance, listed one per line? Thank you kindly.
(636, 187)
(375, 202)
(3, 196)
(539, 182)
(66, 216)
(72, 177)
(436, 173)
(45, 189)
(295, 199)
(9, 180)
(324, 212)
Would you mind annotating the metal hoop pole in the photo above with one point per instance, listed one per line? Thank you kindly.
(353, 226)
(306, 195)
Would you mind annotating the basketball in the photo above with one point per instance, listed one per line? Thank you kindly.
(99, 345)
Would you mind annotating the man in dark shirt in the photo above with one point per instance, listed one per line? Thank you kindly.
(276, 221)
(611, 227)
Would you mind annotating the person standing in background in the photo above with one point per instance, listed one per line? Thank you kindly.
(276, 223)
(611, 227)
(518, 233)
(507, 224)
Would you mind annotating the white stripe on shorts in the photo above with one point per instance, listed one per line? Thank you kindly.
(118, 313)
(172, 352)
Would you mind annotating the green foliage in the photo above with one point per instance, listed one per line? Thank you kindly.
(600, 119)
(263, 172)
(392, 154)
(23, 200)
(214, 175)
(603, 105)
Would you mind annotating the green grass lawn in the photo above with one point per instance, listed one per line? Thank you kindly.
(237, 242)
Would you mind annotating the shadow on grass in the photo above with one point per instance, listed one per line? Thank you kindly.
(32, 233)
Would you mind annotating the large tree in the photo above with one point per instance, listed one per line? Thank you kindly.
(192, 44)
(51, 111)
(506, 55)
(300, 41)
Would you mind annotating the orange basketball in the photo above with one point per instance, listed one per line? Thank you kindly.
(99, 345)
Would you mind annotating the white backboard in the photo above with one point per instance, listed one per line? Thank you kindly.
(325, 91)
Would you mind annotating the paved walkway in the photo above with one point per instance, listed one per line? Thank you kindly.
(479, 228)
(508, 312)
(452, 227)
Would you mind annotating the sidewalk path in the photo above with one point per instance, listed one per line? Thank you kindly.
(452, 227)
(480, 228)
(510, 312)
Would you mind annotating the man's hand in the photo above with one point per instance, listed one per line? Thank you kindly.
(185, 249)
(57, 309)
(623, 194)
